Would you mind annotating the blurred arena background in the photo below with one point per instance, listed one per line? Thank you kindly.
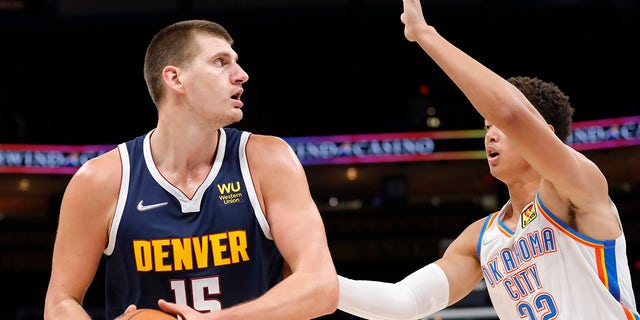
(72, 75)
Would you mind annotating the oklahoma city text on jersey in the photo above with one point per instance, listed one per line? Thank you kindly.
(508, 269)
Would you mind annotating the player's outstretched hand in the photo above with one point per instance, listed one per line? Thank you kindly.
(413, 19)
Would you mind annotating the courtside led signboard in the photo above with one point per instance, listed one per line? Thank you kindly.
(447, 145)
(46, 159)
(343, 149)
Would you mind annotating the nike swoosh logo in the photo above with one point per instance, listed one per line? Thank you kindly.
(142, 207)
(487, 240)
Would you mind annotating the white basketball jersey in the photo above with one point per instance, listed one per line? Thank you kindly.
(545, 270)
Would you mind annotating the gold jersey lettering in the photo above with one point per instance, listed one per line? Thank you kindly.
(218, 248)
(201, 247)
(238, 244)
(229, 187)
(160, 255)
(176, 254)
(182, 254)
(142, 253)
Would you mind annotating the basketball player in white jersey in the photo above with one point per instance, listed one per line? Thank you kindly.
(556, 249)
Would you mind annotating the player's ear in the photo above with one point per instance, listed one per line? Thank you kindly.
(552, 128)
(170, 75)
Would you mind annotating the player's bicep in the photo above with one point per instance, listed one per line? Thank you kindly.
(565, 168)
(82, 229)
(292, 214)
(460, 263)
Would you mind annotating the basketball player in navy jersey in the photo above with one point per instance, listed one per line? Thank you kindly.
(195, 218)
(556, 249)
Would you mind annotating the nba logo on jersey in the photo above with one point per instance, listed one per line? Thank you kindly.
(528, 215)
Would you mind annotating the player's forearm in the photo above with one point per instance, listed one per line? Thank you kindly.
(299, 296)
(422, 293)
(375, 300)
(65, 309)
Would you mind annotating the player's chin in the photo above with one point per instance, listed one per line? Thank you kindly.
(236, 115)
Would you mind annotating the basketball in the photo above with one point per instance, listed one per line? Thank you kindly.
(147, 314)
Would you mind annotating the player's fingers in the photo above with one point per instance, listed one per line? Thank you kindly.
(131, 307)
(164, 305)
(172, 308)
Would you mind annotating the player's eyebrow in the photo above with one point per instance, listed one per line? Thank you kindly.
(226, 54)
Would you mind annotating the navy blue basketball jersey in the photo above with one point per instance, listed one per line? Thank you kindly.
(211, 251)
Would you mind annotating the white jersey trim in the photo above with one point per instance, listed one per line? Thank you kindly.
(248, 181)
(122, 198)
(188, 205)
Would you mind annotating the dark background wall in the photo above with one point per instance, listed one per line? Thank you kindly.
(72, 74)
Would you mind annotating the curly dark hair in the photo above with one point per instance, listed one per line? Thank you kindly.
(549, 100)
